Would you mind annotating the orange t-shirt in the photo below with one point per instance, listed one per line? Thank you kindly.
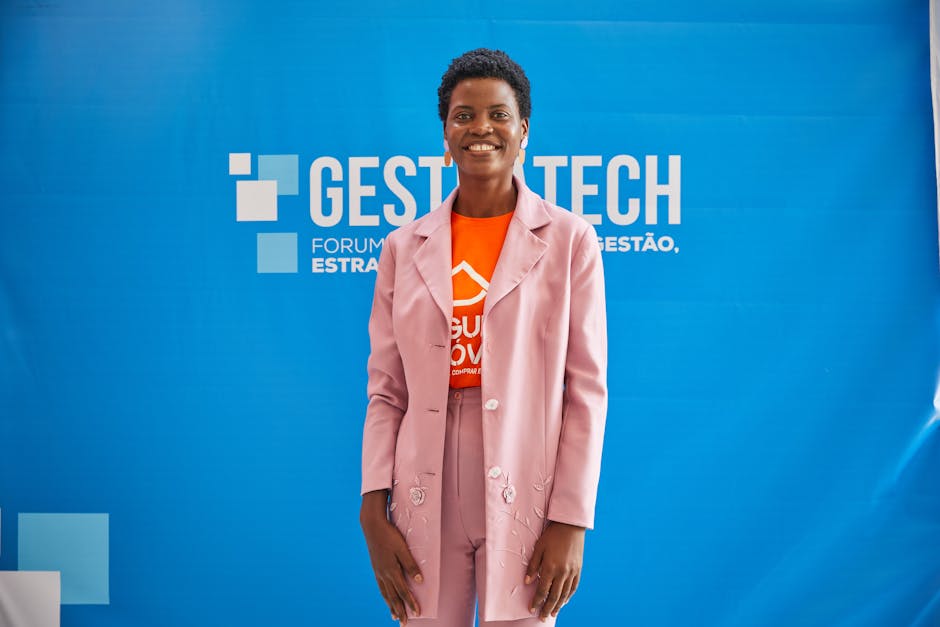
(475, 246)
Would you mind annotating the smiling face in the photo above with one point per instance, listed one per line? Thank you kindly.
(483, 128)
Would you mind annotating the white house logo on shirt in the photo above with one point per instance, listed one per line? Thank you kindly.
(465, 328)
(477, 278)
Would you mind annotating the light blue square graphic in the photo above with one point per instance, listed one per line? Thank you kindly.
(280, 168)
(277, 252)
(75, 545)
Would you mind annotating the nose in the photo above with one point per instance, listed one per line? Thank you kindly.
(481, 126)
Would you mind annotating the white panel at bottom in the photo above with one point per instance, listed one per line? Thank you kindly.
(29, 598)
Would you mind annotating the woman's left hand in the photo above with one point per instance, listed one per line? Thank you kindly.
(556, 559)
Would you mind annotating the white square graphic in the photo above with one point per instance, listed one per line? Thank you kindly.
(256, 201)
(239, 163)
(30, 598)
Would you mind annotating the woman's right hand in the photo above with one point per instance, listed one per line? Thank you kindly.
(392, 561)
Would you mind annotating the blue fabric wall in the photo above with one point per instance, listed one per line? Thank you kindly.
(772, 447)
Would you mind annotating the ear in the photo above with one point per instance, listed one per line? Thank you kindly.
(525, 131)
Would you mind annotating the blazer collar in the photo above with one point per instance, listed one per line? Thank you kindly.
(521, 249)
(529, 210)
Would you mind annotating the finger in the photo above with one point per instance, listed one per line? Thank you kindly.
(541, 592)
(534, 563)
(400, 613)
(403, 593)
(410, 599)
(553, 596)
(394, 600)
(386, 594)
(409, 565)
(565, 595)
(574, 584)
(412, 602)
(410, 573)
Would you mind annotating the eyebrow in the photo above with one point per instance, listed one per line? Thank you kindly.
(495, 106)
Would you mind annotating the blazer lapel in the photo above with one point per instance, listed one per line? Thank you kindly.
(433, 257)
(521, 249)
(520, 252)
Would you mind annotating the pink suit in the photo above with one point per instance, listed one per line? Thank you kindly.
(543, 390)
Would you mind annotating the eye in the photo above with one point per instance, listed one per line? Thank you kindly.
(500, 114)
(462, 115)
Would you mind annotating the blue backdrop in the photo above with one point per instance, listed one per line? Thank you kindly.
(193, 196)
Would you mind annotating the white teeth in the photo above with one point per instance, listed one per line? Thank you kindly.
(481, 147)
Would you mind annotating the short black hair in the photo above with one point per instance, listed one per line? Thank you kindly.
(484, 63)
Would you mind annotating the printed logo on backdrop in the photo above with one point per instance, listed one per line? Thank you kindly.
(636, 203)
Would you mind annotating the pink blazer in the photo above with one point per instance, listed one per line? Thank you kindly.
(544, 386)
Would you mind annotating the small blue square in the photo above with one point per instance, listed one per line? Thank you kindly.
(75, 545)
(277, 252)
(280, 168)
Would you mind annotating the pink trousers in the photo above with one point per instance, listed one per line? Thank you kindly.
(463, 550)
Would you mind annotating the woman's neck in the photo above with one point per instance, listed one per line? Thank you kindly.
(485, 198)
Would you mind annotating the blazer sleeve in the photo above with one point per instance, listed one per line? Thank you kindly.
(584, 411)
(386, 389)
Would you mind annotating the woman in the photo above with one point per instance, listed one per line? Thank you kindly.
(487, 380)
